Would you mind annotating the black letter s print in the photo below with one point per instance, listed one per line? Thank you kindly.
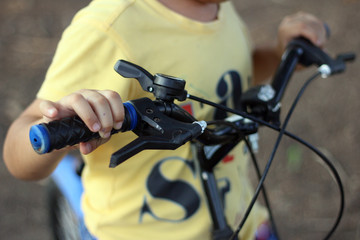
(178, 192)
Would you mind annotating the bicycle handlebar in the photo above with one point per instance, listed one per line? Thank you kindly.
(46, 137)
(161, 124)
(263, 101)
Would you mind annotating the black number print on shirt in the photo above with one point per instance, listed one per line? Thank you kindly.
(229, 88)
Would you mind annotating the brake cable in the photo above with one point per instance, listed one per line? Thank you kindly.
(257, 169)
(282, 132)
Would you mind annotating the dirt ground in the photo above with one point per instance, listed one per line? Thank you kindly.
(304, 196)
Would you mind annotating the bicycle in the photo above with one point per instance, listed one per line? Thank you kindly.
(162, 124)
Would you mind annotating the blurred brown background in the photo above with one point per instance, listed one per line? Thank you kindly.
(304, 197)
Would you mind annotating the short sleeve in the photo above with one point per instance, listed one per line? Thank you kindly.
(84, 59)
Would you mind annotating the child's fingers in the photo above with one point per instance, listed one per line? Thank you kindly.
(101, 111)
(108, 108)
(302, 24)
(88, 147)
(48, 109)
(79, 105)
(117, 107)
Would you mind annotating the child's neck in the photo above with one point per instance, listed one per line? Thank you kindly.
(202, 12)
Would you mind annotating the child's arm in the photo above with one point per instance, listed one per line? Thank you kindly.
(100, 110)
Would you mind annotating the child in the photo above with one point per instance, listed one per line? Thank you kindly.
(202, 41)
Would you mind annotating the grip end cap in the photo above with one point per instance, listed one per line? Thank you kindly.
(39, 138)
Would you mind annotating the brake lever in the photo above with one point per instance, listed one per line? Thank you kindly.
(314, 55)
(156, 130)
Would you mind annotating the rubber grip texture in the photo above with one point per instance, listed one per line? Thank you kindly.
(69, 131)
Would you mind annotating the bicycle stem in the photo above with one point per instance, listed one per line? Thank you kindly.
(290, 59)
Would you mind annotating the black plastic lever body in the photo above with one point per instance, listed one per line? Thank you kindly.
(156, 130)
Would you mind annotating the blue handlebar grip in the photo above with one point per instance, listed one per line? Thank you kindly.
(39, 138)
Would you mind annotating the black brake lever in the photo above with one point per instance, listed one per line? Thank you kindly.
(156, 130)
(314, 55)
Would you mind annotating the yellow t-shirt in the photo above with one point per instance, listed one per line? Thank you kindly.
(156, 194)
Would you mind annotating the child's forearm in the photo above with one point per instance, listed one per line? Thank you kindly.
(100, 110)
(20, 158)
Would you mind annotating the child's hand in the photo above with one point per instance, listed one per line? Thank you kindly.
(100, 110)
(301, 24)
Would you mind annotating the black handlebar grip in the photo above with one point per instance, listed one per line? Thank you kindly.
(69, 131)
